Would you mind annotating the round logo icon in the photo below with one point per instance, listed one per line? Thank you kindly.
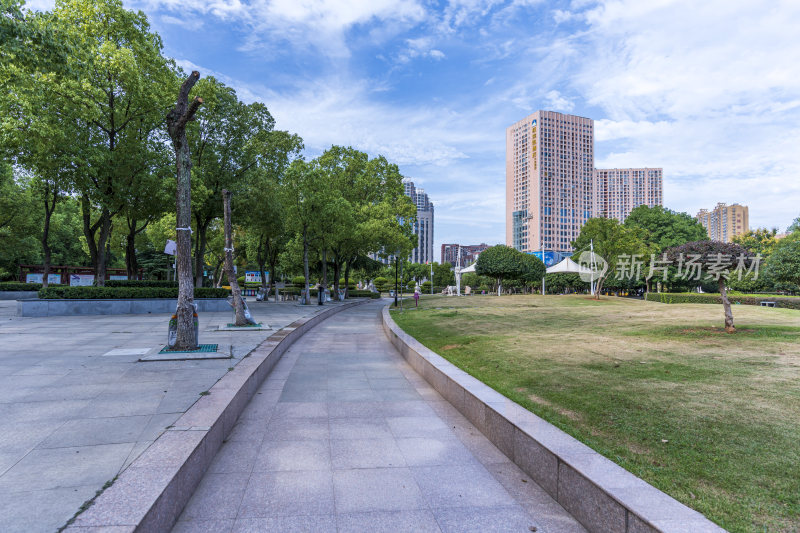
(594, 266)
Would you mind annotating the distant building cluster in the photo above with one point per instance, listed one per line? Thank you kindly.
(423, 227)
(725, 221)
(469, 253)
(552, 187)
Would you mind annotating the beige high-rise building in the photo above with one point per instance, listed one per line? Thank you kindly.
(618, 191)
(549, 180)
(725, 221)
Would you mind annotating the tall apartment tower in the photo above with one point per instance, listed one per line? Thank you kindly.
(725, 221)
(618, 191)
(549, 180)
(423, 227)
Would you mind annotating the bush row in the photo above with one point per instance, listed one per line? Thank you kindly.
(113, 293)
(15, 286)
(696, 298)
(140, 283)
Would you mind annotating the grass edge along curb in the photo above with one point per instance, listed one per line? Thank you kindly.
(785, 302)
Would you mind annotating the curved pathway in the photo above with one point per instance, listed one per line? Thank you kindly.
(345, 436)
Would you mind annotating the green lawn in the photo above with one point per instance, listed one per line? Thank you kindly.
(710, 418)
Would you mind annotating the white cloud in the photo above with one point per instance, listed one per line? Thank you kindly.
(319, 24)
(554, 100)
(419, 48)
(704, 89)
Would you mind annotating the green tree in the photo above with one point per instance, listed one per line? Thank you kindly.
(718, 259)
(229, 141)
(665, 228)
(534, 269)
(612, 241)
(783, 264)
(500, 262)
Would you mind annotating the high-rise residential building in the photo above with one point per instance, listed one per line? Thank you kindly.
(549, 180)
(423, 227)
(617, 191)
(725, 221)
(469, 254)
(552, 187)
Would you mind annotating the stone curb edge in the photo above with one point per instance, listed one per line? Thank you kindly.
(600, 494)
(151, 493)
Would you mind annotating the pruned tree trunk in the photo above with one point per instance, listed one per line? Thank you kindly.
(49, 208)
(177, 119)
(324, 285)
(236, 293)
(305, 266)
(102, 249)
(200, 252)
(499, 286)
(346, 279)
(726, 305)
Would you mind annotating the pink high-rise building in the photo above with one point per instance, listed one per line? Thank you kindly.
(549, 180)
(552, 187)
(617, 191)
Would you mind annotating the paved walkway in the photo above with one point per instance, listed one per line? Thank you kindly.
(76, 407)
(345, 436)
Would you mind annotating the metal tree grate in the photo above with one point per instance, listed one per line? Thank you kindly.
(202, 348)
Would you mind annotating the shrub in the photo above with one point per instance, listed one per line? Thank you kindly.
(742, 299)
(363, 294)
(113, 293)
(14, 286)
(140, 283)
(299, 281)
(381, 283)
(426, 287)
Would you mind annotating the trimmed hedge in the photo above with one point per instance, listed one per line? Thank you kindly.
(697, 298)
(118, 293)
(15, 286)
(140, 283)
(354, 293)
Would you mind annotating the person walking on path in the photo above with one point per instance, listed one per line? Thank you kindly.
(416, 298)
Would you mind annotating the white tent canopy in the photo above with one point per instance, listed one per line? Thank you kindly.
(568, 265)
(470, 268)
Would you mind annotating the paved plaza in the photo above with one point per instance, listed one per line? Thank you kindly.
(76, 405)
(344, 436)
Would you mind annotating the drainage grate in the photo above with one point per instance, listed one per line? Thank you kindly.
(202, 348)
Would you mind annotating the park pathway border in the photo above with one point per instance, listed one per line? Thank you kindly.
(600, 494)
(151, 493)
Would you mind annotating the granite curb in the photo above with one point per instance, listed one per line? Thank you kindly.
(601, 495)
(151, 493)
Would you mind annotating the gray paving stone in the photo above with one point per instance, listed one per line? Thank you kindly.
(388, 522)
(378, 489)
(217, 497)
(460, 486)
(288, 494)
(286, 455)
(41, 510)
(418, 426)
(359, 428)
(287, 524)
(427, 451)
(92, 431)
(235, 457)
(203, 526)
(485, 520)
(297, 429)
(366, 453)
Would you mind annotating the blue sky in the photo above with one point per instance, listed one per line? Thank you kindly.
(709, 90)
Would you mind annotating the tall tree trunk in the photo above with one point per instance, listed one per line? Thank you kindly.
(337, 271)
(218, 272)
(200, 252)
(726, 305)
(102, 250)
(598, 288)
(177, 119)
(273, 263)
(238, 303)
(305, 265)
(324, 285)
(131, 264)
(346, 278)
(49, 208)
(89, 229)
